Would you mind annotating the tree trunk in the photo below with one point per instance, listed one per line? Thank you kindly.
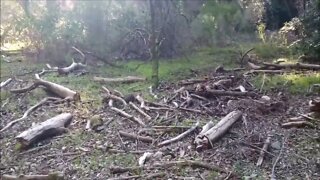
(155, 60)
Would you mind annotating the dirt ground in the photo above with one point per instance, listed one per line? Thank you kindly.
(91, 154)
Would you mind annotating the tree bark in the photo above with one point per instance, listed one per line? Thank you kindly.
(48, 128)
(205, 139)
(155, 60)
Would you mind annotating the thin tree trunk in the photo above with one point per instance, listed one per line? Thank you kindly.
(155, 60)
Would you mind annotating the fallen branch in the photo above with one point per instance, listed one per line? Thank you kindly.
(26, 114)
(169, 164)
(206, 138)
(140, 110)
(263, 150)
(4, 83)
(297, 124)
(128, 79)
(52, 176)
(131, 117)
(56, 89)
(74, 66)
(48, 128)
(114, 97)
(211, 92)
(179, 137)
(136, 137)
(145, 176)
(297, 66)
(273, 174)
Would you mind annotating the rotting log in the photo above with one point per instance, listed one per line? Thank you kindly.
(51, 127)
(128, 79)
(207, 138)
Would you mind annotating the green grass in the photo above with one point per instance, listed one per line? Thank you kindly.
(269, 51)
(295, 83)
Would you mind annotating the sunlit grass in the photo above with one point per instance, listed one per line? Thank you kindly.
(295, 83)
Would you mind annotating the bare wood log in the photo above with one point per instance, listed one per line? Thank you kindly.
(140, 110)
(74, 66)
(213, 134)
(50, 127)
(254, 66)
(26, 114)
(52, 176)
(56, 89)
(136, 137)
(263, 150)
(4, 83)
(267, 71)
(179, 137)
(297, 124)
(168, 164)
(128, 79)
(297, 66)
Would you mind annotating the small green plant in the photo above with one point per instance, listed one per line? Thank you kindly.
(262, 32)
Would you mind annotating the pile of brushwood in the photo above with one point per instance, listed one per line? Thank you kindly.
(200, 126)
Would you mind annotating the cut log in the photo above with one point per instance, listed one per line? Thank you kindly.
(136, 137)
(57, 89)
(179, 137)
(128, 79)
(52, 176)
(48, 128)
(205, 139)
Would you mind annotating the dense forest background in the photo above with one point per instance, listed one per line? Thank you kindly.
(122, 29)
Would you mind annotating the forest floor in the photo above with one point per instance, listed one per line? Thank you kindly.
(93, 154)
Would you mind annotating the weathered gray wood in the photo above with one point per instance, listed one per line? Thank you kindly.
(128, 79)
(50, 127)
(208, 137)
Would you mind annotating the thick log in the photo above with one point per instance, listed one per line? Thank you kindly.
(52, 176)
(57, 89)
(48, 128)
(205, 139)
(128, 79)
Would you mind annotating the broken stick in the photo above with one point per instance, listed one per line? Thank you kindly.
(52, 176)
(179, 137)
(26, 114)
(140, 110)
(136, 137)
(263, 150)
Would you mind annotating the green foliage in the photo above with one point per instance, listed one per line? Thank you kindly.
(311, 42)
(270, 51)
(262, 32)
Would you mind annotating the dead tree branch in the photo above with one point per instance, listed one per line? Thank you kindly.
(136, 137)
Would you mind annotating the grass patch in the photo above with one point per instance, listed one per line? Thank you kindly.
(295, 83)
(269, 51)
